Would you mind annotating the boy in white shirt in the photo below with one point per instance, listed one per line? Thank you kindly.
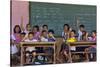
(13, 52)
(81, 29)
(30, 51)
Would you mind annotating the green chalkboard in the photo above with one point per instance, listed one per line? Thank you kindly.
(56, 15)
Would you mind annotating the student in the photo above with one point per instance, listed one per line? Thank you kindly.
(26, 30)
(16, 35)
(44, 36)
(48, 37)
(51, 37)
(23, 36)
(72, 35)
(92, 48)
(45, 27)
(65, 32)
(13, 52)
(64, 51)
(36, 32)
(30, 51)
(81, 29)
(84, 36)
(13, 48)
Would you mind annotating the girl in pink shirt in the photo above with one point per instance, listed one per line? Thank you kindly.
(16, 35)
(91, 49)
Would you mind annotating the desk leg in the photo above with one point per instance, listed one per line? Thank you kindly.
(54, 55)
(70, 56)
(21, 56)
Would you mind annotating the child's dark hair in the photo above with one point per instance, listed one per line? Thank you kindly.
(15, 29)
(82, 26)
(94, 31)
(51, 30)
(45, 26)
(73, 31)
(66, 25)
(83, 35)
(23, 33)
(37, 27)
(44, 31)
(30, 33)
(27, 25)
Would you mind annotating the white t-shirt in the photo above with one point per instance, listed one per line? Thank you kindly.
(79, 35)
(13, 49)
(44, 39)
(13, 37)
(30, 48)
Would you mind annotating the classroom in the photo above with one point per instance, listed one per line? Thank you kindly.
(52, 33)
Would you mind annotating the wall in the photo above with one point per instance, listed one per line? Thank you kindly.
(19, 8)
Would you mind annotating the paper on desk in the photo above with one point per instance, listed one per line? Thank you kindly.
(73, 48)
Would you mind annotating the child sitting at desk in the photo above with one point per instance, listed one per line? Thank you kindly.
(27, 29)
(23, 34)
(92, 48)
(66, 29)
(48, 37)
(45, 27)
(36, 32)
(16, 35)
(30, 51)
(51, 37)
(80, 32)
(64, 47)
(84, 36)
(44, 36)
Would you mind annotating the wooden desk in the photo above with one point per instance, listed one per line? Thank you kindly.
(36, 44)
(78, 44)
